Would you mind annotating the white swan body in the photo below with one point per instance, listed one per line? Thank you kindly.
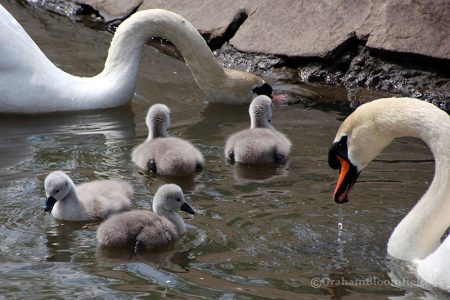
(359, 140)
(93, 200)
(261, 143)
(164, 155)
(146, 229)
(31, 83)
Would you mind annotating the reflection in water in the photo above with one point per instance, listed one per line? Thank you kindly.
(153, 182)
(62, 239)
(242, 172)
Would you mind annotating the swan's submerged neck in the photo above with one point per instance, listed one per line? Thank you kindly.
(419, 233)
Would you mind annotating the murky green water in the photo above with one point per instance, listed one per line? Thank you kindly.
(257, 233)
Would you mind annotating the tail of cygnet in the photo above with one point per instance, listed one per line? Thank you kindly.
(174, 164)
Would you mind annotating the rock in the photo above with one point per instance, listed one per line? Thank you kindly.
(61, 7)
(418, 27)
(373, 72)
(217, 21)
(112, 10)
(304, 28)
(300, 28)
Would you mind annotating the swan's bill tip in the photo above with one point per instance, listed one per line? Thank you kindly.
(49, 203)
(185, 207)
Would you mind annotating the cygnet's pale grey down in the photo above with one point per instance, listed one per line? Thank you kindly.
(88, 201)
(261, 143)
(164, 155)
(146, 229)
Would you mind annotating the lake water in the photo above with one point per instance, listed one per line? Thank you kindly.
(257, 234)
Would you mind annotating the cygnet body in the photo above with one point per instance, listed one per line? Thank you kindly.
(146, 229)
(164, 155)
(261, 143)
(88, 201)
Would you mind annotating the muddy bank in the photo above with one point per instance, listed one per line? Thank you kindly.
(393, 47)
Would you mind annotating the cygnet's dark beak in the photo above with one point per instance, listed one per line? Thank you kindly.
(185, 207)
(49, 203)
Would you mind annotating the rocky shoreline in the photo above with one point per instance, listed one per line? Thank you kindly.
(396, 55)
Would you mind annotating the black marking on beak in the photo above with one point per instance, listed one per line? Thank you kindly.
(185, 207)
(49, 203)
(348, 173)
(338, 149)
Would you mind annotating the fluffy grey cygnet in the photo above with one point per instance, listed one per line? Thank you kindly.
(261, 143)
(164, 155)
(87, 201)
(146, 229)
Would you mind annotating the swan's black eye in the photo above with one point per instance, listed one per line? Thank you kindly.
(178, 199)
(57, 191)
(264, 89)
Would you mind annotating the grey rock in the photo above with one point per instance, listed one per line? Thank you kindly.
(303, 28)
(213, 19)
(418, 27)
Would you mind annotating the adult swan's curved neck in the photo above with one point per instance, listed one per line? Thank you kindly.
(364, 134)
(30, 83)
(419, 233)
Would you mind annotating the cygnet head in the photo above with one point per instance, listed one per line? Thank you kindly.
(57, 186)
(158, 121)
(169, 199)
(260, 112)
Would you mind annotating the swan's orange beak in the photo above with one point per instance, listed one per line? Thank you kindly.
(347, 178)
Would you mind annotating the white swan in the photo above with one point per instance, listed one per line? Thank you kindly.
(146, 229)
(88, 201)
(31, 83)
(362, 136)
(261, 143)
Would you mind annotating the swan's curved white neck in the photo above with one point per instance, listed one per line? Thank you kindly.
(419, 233)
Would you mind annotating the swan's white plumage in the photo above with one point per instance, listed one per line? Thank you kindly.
(417, 237)
(30, 83)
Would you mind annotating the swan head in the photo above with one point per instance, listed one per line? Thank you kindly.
(57, 186)
(237, 87)
(263, 88)
(158, 120)
(260, 111)
(361, 137)
(170, 199)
